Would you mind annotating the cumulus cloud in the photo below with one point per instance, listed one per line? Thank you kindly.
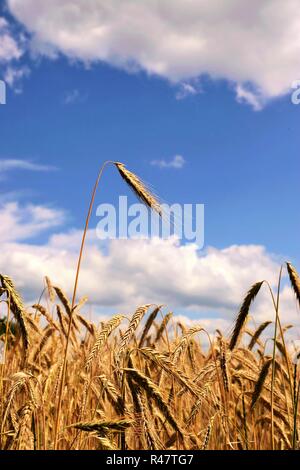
(118, 275)
(130, 271)
(206, 287)
(177, 162)
(256, 42)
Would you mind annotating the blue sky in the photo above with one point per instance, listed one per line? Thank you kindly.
(242, 164)
(239, 138)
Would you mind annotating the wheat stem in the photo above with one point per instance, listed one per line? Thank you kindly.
(62, 381)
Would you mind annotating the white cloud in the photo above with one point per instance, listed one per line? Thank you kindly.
(137, 270)
(121, 274)
(11, 164)
(246, 95)
(13, 77)
(209, 324)
(118, 275)
(288, 303)
(187, 89)
(73, 96)
(10, 49)
(23, 222)
(177, 162)
(256, 42)
(133, 272)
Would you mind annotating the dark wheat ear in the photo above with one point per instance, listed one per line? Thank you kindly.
(260, 382)
(243, 313)
(139, 188)
(257, 334)
(295, 280)
(149, 324)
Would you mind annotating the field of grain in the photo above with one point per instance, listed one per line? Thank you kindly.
(143, 381)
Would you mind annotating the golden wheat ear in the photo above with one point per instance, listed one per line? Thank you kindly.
(295, 280)
(16, 306)
(50, 289)
(139, 188)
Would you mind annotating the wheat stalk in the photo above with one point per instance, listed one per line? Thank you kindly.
(134, 323)
(139, 188)
(295, 280)
(17, 307)
(154, 393)
(89, 326)
(64, 299)
(102, 337)
(257, 333)
(208, 433)
(113, 394)
(50, 289)
(183, 342)
(103, 427)
(43, 311)
(243, 313)
(223, 364)
(148, 324)
(260, 382)
(163, 326)
(47, 335)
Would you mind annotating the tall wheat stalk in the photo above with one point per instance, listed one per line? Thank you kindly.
(273, 358)
(143, 193)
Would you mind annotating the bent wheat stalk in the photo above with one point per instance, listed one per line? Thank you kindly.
(150, 201)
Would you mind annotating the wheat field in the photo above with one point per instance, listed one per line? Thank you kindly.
(143, 381)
